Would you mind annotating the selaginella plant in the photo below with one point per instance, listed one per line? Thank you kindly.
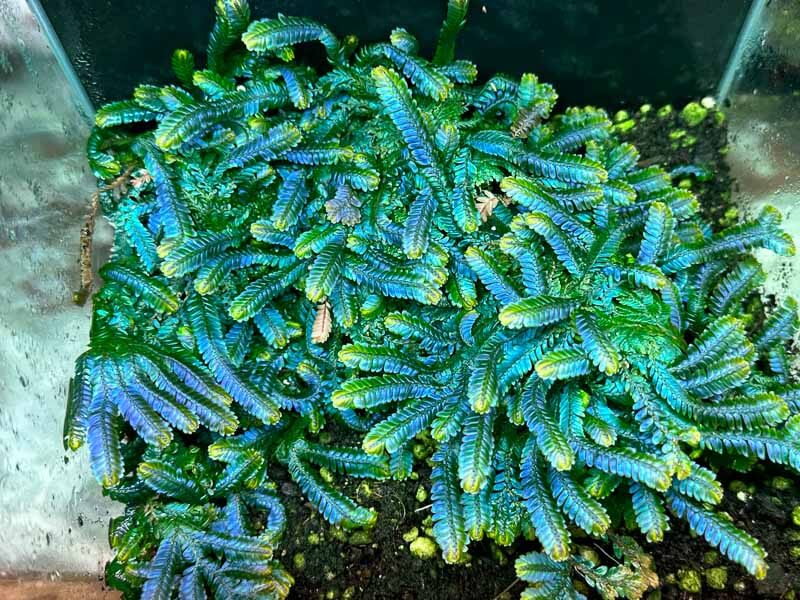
(376, 240)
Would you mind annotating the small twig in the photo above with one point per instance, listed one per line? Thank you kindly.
(87, 236)
(511, 585)
(421, 508)
(599, 547)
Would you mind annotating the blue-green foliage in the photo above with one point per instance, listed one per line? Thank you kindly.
(390, 246)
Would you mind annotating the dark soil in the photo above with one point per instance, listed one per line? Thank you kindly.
(382, 566)
(762, 511)
(651, 136)
(340, 564)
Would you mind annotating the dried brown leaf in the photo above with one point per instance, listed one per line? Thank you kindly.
(323, 324)
(487, 202)
(142, 178)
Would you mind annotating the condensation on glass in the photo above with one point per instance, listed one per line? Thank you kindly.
(52, 516)
(762, 86)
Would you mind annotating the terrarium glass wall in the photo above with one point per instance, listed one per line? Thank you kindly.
(52, 517)
(762, 97)
(594, 51)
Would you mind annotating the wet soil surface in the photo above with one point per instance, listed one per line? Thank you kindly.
(666, 140)
(378, 563)
(763, 511)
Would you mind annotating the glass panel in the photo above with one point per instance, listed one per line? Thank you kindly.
(612, 54)
(764, 118)
(53, 517)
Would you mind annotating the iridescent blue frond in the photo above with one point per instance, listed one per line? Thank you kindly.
(401, 426)
(550, 579)
(208, 332)
(334, 506)
(417, 229)
(657, 233)
(650, 514)
(475, 454)
(282, 31)
(173, 212)
(720, 532)
(448, 518)
(369, 392)
(547, 520)
(625, 462)
(193, 120)
(551, 441)
(577, 504)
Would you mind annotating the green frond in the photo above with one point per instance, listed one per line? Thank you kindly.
(718, 531)
(537, 311)
(448, 518)
(165, 479)
(547, 520)
(256, 295)
(154, 292)
(551, 441)
(597, 344)
(462, 198)
(657, 233)
(196, 251)
(577, 504)
(401, 426)
(376, 358)
(566, 252)
(550, 580)
(721, 337)
(563, 364)
(780, 326)
(420, 72)
(416, 232)
(453, 22)
(718, 378)
(742, 280)
(700, 484)
(483, 386)
(190, 121)
(404, 113)
(347, 461)
(449, 419)
(232, 18)
(324, 273)
(123, 112)
(282, 32)
(369, 392)
(182, 63)
(475, 454)
(487, 269)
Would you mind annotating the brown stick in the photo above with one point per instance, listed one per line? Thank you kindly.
(87, 236)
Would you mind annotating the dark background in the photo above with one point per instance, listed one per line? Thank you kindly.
(610, 53)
